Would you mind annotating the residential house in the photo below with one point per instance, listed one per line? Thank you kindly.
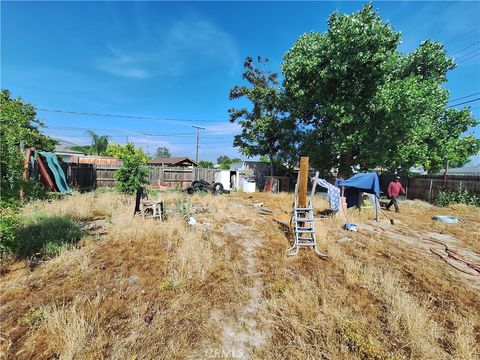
(173, 161)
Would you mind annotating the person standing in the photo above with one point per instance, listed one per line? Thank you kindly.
(395, 188)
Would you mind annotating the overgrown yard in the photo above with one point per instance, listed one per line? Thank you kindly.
(143, 289)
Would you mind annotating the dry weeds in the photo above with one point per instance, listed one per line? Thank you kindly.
(148, 289)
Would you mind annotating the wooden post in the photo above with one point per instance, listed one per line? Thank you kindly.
(430, 191)
(303, 182)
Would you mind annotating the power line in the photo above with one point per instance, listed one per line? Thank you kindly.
(430, 17)
(157, 118)
(462, 35)
(471, 52)
(471, 57)
(142, 133)
(468, 47)
(122, 136)
(465, 102)
(464, 97)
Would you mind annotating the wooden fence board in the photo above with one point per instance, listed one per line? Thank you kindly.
(160, 176)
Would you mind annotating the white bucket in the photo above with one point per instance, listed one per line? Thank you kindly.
(248, 186)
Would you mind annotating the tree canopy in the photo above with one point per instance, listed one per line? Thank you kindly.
(19, 128)
(364, 103)
(225, 162)
(265, 128)
(205, 164)
(99, 143)
(162, 152)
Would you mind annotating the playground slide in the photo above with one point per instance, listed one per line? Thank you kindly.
(57, 171)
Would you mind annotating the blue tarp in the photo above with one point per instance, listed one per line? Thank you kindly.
(365, 182)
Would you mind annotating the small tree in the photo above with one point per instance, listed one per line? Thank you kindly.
(99, 142)
(162, 152)
(264, 126)
(133, 172)
(204, 164)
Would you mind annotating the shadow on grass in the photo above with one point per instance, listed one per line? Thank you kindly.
(46, 236)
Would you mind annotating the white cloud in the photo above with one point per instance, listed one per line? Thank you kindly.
(189, 45)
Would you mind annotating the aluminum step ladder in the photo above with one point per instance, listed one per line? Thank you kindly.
(303, 223)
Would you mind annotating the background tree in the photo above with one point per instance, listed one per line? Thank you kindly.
(363, 102)
(264, 126)
(204, 164)
(449, 147)
(222, 158)
(133, 173)
(226, 162)
(99, 142)
(18, 127)
(162, 152)
(86, 149)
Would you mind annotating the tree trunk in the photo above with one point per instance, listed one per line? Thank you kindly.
(272, 170)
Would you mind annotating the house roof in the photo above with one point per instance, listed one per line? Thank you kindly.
(172, 161)
(465, 170)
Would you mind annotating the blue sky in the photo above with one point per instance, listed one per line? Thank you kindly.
(179, 60)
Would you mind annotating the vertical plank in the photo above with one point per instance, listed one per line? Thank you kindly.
(303, 182)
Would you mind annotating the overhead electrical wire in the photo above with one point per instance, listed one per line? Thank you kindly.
(462, 35)
(466, 48)
(465, 102)
(430, 17)
(156, 118)
(124, 136)
(464, 97)
(133, 132)
(471, 52)
(469, 58)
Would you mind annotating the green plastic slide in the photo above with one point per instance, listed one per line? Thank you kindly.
(57, 171)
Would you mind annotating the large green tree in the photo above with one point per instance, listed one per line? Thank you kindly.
(366, 104)
(265, 127)
(19, 128)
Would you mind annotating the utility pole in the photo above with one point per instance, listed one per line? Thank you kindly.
(198, 139)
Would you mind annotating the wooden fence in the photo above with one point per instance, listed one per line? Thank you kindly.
(426, 187)
(159, 176)
(80, 176)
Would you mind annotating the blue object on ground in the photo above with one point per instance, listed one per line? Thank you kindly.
(446, 219)
(350, 227)
(365, 182)
(57, 171)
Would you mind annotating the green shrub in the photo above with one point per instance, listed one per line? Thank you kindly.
(133, 173)
(45, 236)
(8, 227)
(460, 195)
(34, 317)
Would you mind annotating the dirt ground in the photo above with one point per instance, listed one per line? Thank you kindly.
(223, 288)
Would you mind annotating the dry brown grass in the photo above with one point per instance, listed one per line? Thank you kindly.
(150, 289)
(377, 297)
